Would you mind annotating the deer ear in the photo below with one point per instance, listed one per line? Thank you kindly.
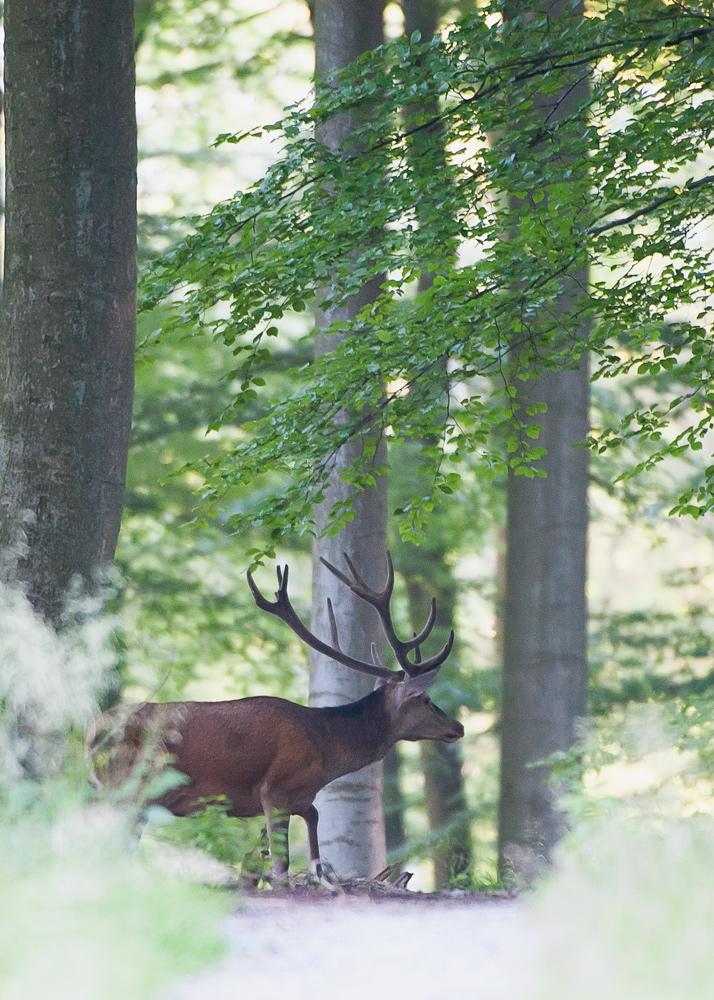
(412, 687)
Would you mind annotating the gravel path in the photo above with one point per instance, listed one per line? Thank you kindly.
(360, 949)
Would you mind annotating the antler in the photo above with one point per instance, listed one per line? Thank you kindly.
(283, 609)
(380, 600)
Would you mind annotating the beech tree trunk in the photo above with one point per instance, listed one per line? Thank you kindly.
(351, 827)
(446, 811)
(421, 16)
(545, 611)
(69, 301)
(393, 798)
(544, 663)
(427, 574)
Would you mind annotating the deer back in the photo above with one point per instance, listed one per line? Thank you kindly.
(240, 750)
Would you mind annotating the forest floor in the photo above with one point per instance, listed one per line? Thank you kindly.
(417, 946)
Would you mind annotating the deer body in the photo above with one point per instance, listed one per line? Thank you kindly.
(267, 755)
(271, 756)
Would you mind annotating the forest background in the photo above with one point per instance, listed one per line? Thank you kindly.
(186, 625)
(649, 577)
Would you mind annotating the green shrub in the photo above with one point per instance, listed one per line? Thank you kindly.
(81, 917)
(629, 914)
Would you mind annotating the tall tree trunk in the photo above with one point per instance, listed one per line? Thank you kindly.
(69, 301)
(426, 575)
(446, 811)
(441, 763)
(352, 835)
(545, 611)
(394, 832)
(544, 662)
(421, 16)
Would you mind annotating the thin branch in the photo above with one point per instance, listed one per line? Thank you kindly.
(653, 205)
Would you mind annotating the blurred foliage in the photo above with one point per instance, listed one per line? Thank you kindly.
(626, 915)
(189, 627)
(650, 654)
(633, 888)
(200, 64)
(188, 617)
(81, 917)
(653, 760)
(198, 38)
(236, 843)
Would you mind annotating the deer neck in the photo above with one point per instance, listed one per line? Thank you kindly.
(356, 735)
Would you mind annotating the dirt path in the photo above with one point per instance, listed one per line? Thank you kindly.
(359, 949)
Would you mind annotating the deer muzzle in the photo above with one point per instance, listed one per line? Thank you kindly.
(455, 734)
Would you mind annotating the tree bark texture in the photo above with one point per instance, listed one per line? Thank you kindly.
(421, 16)
(446, 811)
(351, 828)
(545, 610)
(393, 797)
(69, 300)
(545, 662)
(427, 574)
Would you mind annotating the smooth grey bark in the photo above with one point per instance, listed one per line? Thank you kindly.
(352, 836)
(421, 16)
(68, 320)
(351, 828)
(446, 811)
(428, 575)
(544, 661)
(393, 798)
(545, 610)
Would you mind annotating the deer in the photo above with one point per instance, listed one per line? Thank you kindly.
(269, 756)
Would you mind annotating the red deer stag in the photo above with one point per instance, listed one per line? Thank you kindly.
(270, 756)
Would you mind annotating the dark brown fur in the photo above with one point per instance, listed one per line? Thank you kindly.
(264, 755)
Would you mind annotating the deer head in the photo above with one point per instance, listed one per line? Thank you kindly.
(412, 714)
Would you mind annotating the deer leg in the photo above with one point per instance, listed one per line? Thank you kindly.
(278, 822)
(311, 816)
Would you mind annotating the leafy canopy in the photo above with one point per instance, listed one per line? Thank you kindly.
(470, 163)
